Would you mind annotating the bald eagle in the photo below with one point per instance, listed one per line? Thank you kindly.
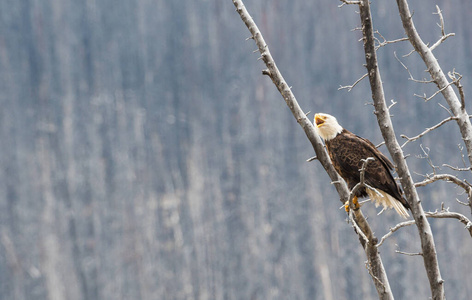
(347, 151)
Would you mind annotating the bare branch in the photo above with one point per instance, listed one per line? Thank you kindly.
(384, 41)
(408, 70)
(448, 178)
(392, 105)
(456, 168)
(428, 158)
(439, 12)
(361, 184)
(456, 77)
(353, 193)
(462, 154)
(446, 109)
(408, 253)
(463, 203)
(381, 144)
(426, 131)
(393, 229)
(442, 39)
(409, 53)
(444, 213)
(455, 81)
(426, 99)
(350, 87)
(346, 2)
(444, 36)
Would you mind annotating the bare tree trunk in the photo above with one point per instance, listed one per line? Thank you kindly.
(437, 75)
(366, 237)
(388, 133)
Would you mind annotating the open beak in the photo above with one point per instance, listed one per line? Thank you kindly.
(319, 120)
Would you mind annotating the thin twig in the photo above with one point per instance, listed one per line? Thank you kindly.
(444, 36)
(448, 178)
(456, 168)
(426, 131)
(446, 109)
(350, 87)
(409, 53)
(312, 158)
(426, 99)
(392, 105)
(462, 154)
(456, 78)
(408, 70)
(393, 229)
(428, 158)
(384, 41)
(463, 203)
(361, 184)
(346, 2)
(408, 253)
(442, 39)
(445, 213)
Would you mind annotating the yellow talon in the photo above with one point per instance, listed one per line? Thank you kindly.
(354, 201)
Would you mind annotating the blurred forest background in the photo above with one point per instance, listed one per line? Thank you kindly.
(144, 156)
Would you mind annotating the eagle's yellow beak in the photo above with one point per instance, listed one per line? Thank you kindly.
(319, 120)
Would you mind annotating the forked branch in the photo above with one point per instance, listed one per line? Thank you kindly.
(408, 139)
(443, 213)
(437, 75)
(448, 178)
(444, 36)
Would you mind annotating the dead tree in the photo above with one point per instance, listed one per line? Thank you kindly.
(458, 113)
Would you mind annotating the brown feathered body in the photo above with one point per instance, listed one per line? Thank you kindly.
(347, 152)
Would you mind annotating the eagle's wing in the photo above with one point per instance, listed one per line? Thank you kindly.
(380, 155)
(377, 173)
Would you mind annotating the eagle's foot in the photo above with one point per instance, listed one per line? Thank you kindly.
(354, 201)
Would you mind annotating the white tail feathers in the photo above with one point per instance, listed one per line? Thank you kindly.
(381, 197)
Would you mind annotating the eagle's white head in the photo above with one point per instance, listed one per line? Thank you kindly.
(327, 126)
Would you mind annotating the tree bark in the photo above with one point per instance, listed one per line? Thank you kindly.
(388, 133)
(375, 265)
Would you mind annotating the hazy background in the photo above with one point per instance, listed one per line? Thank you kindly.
(144, 156)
